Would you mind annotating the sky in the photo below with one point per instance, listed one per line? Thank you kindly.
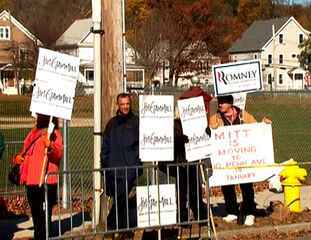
(301, 1)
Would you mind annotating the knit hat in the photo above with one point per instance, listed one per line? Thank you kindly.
(225, 99)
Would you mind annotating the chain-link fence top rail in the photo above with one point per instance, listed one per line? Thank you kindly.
(289, 111)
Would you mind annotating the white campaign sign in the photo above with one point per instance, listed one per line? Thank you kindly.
(241, 145)
(156, 128)
(239, 100)
(55, 83)
(194, 122)
(244, 76)
(148, 211)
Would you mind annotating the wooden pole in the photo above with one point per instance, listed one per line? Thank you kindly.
(112, 57)
(45, 158)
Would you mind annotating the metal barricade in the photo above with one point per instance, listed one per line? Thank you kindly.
(120, 188)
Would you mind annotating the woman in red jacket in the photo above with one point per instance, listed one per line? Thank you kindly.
(35, 145)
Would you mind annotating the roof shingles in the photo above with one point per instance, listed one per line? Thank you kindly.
(257, 35)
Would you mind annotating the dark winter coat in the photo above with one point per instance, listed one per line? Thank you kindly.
(120, 148)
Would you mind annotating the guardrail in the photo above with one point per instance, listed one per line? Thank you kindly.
(132, 199)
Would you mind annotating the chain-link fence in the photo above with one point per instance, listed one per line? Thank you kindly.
(289, 111)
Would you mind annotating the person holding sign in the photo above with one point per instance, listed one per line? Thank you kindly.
(120, 149)
(190, 179)
(33, 152)
(228, 114)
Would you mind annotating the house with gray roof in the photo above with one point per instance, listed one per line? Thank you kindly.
(275, 42)
(77, 40)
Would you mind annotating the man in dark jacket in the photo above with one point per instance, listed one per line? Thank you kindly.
(120, 152)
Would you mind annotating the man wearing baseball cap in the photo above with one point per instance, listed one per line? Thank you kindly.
(227, 115)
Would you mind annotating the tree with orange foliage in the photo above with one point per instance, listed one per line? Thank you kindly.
(178, 31)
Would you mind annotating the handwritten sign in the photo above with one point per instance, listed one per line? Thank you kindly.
(239, 100)
(55, 83)
(148, 202)
(244, 76)
(156, 128)
(238, 146)
(194, 122)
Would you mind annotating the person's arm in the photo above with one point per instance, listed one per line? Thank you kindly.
(266, 120)
(179, 137)
(214, 122)
(105, 149)
(248, 118)
(56, 148)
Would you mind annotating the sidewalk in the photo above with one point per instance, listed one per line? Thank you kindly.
(21, 227)
(18, 227)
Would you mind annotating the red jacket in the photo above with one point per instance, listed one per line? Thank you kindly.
(33, 160)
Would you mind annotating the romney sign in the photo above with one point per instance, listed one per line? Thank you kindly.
(244, 76)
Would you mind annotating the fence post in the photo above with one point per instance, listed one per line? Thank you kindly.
(46, 204)
(65, 165)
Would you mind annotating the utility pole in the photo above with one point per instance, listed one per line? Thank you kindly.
(112, 56)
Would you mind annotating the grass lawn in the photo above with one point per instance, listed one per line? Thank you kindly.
(80, 146)
(291, 124)
(291, 117)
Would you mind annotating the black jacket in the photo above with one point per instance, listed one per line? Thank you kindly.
(120, 147)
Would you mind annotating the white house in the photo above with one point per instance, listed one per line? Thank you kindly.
(77, 40)
(278, 52)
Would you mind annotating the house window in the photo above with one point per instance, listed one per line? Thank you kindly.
(300, 38)
(270, 59)
(298, 76)
(4, 33)
(23, 54)
(280, 78)
(270, 79)
(281, 38)
(255, 56)
(89, 75)
(281, 59)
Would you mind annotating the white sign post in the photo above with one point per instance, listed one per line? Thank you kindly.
(244, 76)
(194, 122)
(156, 128)
(238, 146)
(55, 84)
(148, 206)
(239, 100)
